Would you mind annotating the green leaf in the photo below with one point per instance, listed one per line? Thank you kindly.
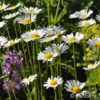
(69, 68)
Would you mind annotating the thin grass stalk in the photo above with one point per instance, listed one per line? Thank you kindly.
(74, 62)
(55, 94)
(57, 9)
(16, 34)
(48, 9)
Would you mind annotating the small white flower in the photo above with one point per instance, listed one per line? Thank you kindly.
(71, 38)
(58, 48)
(30, 10)
(10, 15)
(48, 38)
(47, 55)
(2, 24)
(53, 82)
(82, 14)
(13, 7)
(33, 34)
(27, 19)
(98, 17)
(31, 78)
(4, 6)
(11, 43)
(86, 23)
(54, 30)
(3, 40)
(75, 87)
(94, 42)
(92, 66)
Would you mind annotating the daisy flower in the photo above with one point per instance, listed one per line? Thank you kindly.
(27, 81)
(92, 66)
(3, 6)
(98, 17)
(10, 15)
(54, 30)
(11, 43)
(33, 34)
(86, 23)
(75, 87)
(47, 55)
(30, 10)
(59, 48)
(94, 42)
(53, 82)
(82, 14)
(48, 38)
(13, 7)
(3, 40)
(27, 19)
(71, 38)
(2, 24)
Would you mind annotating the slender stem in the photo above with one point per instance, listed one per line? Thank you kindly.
(55, 93)
(57, 9)
(74, 62)
(48, 8)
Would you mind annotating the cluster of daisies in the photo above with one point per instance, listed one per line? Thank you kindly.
(48, 34)
(83, 14)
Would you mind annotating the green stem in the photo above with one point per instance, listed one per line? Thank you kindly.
(74, 62)
(57, 9)
(48, 9)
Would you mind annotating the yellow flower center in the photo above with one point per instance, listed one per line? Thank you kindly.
(1, 7)
(12, 43)
(58, 33)
(86, 23)
(53, 82)
(30, 79)
(76, 89)
(49, 38)
(33, 35)
(26, 20)
(29, 10)
(12, 6)
(92, 65)
(97, 44)
(83, 15)
(72, 39)
(48, 55)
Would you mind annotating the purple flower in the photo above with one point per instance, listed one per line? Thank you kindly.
(11, 66)
(10, 85)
